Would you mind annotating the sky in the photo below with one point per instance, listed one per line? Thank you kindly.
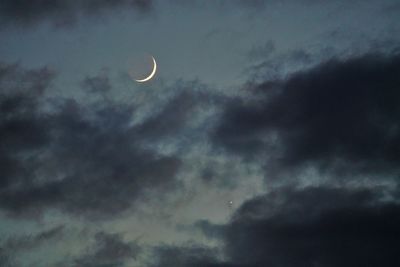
(269, 135)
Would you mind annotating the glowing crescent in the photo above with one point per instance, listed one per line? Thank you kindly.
(151, 74)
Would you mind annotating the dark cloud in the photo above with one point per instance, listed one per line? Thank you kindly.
(97, 84)
(210, 230)
(228, 4)
(83, 160)
(109, 250)
(20, 124)
(189, 255)
(182, 109)
(171, 118)
(62, 12)
(17, 81)
(313, 226)
(339, 114)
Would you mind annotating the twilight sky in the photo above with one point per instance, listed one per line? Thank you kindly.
(269, 136)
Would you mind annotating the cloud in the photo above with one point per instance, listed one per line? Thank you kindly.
(210, 230)
(83, 160)
(97, 84)
(21, 127)
(17, 245)
(182, 256)
(62, 12)
(29, 242)
(312, 226)
(341, 115)
(184, 107)
(109, 250)
(315, 227)
(262, 51)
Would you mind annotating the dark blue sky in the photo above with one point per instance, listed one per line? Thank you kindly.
(268, 126)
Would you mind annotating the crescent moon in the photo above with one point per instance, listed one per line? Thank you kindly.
(153, 72)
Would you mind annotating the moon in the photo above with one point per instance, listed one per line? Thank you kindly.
(153, 72)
